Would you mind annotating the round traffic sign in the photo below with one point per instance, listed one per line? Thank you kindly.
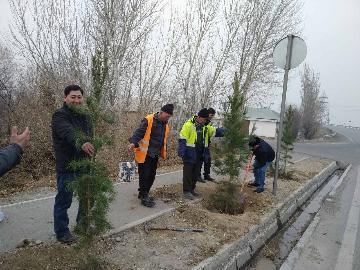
(298, 52)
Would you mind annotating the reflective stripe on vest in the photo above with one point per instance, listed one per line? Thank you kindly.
(188, 132)
(141, 151)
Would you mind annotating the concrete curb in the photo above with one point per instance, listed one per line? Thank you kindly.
(298, 249)
(338, 184)
(236, 255)
(138, 222)
(144, 220)
(295, 253)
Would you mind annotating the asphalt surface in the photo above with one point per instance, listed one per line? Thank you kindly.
(334, 241)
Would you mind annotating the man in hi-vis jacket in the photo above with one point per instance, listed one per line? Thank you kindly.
(149, 142)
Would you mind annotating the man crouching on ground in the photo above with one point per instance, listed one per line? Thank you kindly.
(264, 155)
(149, 142)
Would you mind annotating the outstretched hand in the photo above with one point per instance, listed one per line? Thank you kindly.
(131, 147)
(20, 139)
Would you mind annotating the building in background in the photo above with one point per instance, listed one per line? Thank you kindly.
(265, 120)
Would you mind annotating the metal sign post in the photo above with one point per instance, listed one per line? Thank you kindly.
(295, 54)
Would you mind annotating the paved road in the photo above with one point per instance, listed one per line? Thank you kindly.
(334, 242)
(347, 150)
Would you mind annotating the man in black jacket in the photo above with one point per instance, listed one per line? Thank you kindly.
(264, 155)
(66, 122)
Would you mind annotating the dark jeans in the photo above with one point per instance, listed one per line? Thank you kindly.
(259, 173)
(63, 202)
(191, 172)
(147, 172)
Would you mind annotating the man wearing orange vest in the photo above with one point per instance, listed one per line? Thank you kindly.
(148, 143)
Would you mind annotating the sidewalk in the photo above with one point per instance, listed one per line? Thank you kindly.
(34, 219)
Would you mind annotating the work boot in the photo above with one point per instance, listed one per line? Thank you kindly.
(146, 201)
(188, 196)
(253, 184)
(209, 178)
(67, 239)
(259, 190)
(201, 180)
(146, 195)
(195, 194)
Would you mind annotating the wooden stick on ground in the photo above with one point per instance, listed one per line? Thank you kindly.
(247, 170)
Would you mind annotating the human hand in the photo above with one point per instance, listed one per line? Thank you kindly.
(131, 147)
(20, 139)
(88, 148)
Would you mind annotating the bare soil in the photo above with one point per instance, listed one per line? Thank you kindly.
(140, 248)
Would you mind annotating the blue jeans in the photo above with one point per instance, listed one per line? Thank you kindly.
(259, 173)
(63, 202)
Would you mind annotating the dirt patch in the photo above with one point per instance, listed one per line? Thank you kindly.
(138, 248)
(54, 256)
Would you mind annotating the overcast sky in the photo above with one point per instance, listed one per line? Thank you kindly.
(331, 31)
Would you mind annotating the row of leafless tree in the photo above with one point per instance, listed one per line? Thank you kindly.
(158, 51)
(313, 111)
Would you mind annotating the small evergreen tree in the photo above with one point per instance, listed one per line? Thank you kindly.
(233, 145)
(230, 155)
(92, 187)
(287, 141)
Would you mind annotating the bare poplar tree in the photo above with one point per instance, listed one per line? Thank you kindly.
(310, 102)
(48, 34)
(266, 22)
(121, 28)
(197, 27)
(8, 69)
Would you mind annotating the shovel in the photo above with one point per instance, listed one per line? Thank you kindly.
(171, 228)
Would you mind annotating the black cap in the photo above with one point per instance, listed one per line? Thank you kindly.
(211, 111)
(203, 113)
(168, 108)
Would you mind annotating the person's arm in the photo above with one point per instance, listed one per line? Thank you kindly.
(139, 133)
(184, 135)
(64, 129)
(220, 132)
(260, 156)
(9, 157)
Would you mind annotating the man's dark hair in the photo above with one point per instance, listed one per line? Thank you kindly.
(72, 87)
(211, 111)
(254, 140)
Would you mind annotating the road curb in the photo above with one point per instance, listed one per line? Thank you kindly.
(293, 257)
(143, 220)
(236, 255)
(338, 184)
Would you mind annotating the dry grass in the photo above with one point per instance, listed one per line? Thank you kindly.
(37, 168)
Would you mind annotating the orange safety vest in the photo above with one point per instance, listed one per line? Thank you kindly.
(141, 151)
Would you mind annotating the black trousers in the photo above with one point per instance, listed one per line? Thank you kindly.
(207, 166)
(147, 172)
(191, 172)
